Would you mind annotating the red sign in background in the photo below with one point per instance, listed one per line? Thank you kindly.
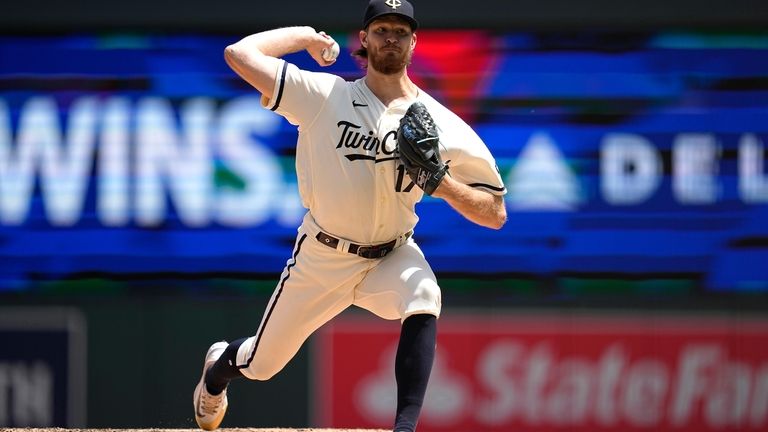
(555, 373)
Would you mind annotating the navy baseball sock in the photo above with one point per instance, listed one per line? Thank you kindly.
(224, 370)
(413, 364)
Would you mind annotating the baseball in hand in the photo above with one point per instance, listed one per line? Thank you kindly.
(330, 54)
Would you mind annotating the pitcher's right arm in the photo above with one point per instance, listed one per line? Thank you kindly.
(255, 57)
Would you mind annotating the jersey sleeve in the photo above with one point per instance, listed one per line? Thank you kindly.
(299, 95)
(468, 158)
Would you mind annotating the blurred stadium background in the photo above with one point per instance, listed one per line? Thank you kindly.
(147, 206)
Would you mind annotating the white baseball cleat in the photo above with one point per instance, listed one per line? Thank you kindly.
(210, 409)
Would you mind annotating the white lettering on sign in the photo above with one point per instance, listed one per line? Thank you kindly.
(630, 169)
(534, 385)
(694, 180)
(182, 163)
(63, 170)
(142, 156)
(136, 157)
(753, 180)
(26, 394)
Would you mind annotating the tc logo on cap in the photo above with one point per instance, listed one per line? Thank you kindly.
(394, 4)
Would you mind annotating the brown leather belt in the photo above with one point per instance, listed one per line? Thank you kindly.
(370, 251)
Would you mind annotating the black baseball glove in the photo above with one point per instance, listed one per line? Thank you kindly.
(418, 147)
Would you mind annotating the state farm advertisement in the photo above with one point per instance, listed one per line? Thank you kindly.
(555, 372)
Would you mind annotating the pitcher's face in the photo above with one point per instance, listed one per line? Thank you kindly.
(390, 43)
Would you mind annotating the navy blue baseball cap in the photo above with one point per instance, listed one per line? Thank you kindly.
(401, 8)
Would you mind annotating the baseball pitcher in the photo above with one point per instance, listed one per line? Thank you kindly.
(367, 151)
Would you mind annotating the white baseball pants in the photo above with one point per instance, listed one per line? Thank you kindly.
(319, 282)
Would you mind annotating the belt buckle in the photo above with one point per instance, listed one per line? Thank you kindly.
(373, 252)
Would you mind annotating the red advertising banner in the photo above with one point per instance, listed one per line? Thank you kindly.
(555, 373)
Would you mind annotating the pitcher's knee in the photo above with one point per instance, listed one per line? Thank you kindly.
(427, 299)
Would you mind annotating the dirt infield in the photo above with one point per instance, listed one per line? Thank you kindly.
(189, 430)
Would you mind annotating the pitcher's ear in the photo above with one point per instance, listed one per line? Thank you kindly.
(363, 38)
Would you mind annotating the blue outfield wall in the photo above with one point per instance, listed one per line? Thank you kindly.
(626, 155)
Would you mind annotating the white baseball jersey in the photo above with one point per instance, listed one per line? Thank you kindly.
(357, 191)
(348, 172)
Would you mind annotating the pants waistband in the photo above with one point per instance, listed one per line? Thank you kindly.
(311, 228)
(365, 251)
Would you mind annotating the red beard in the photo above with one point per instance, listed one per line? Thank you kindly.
(389, 62)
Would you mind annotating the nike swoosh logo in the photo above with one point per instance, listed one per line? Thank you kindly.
(355, 104)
